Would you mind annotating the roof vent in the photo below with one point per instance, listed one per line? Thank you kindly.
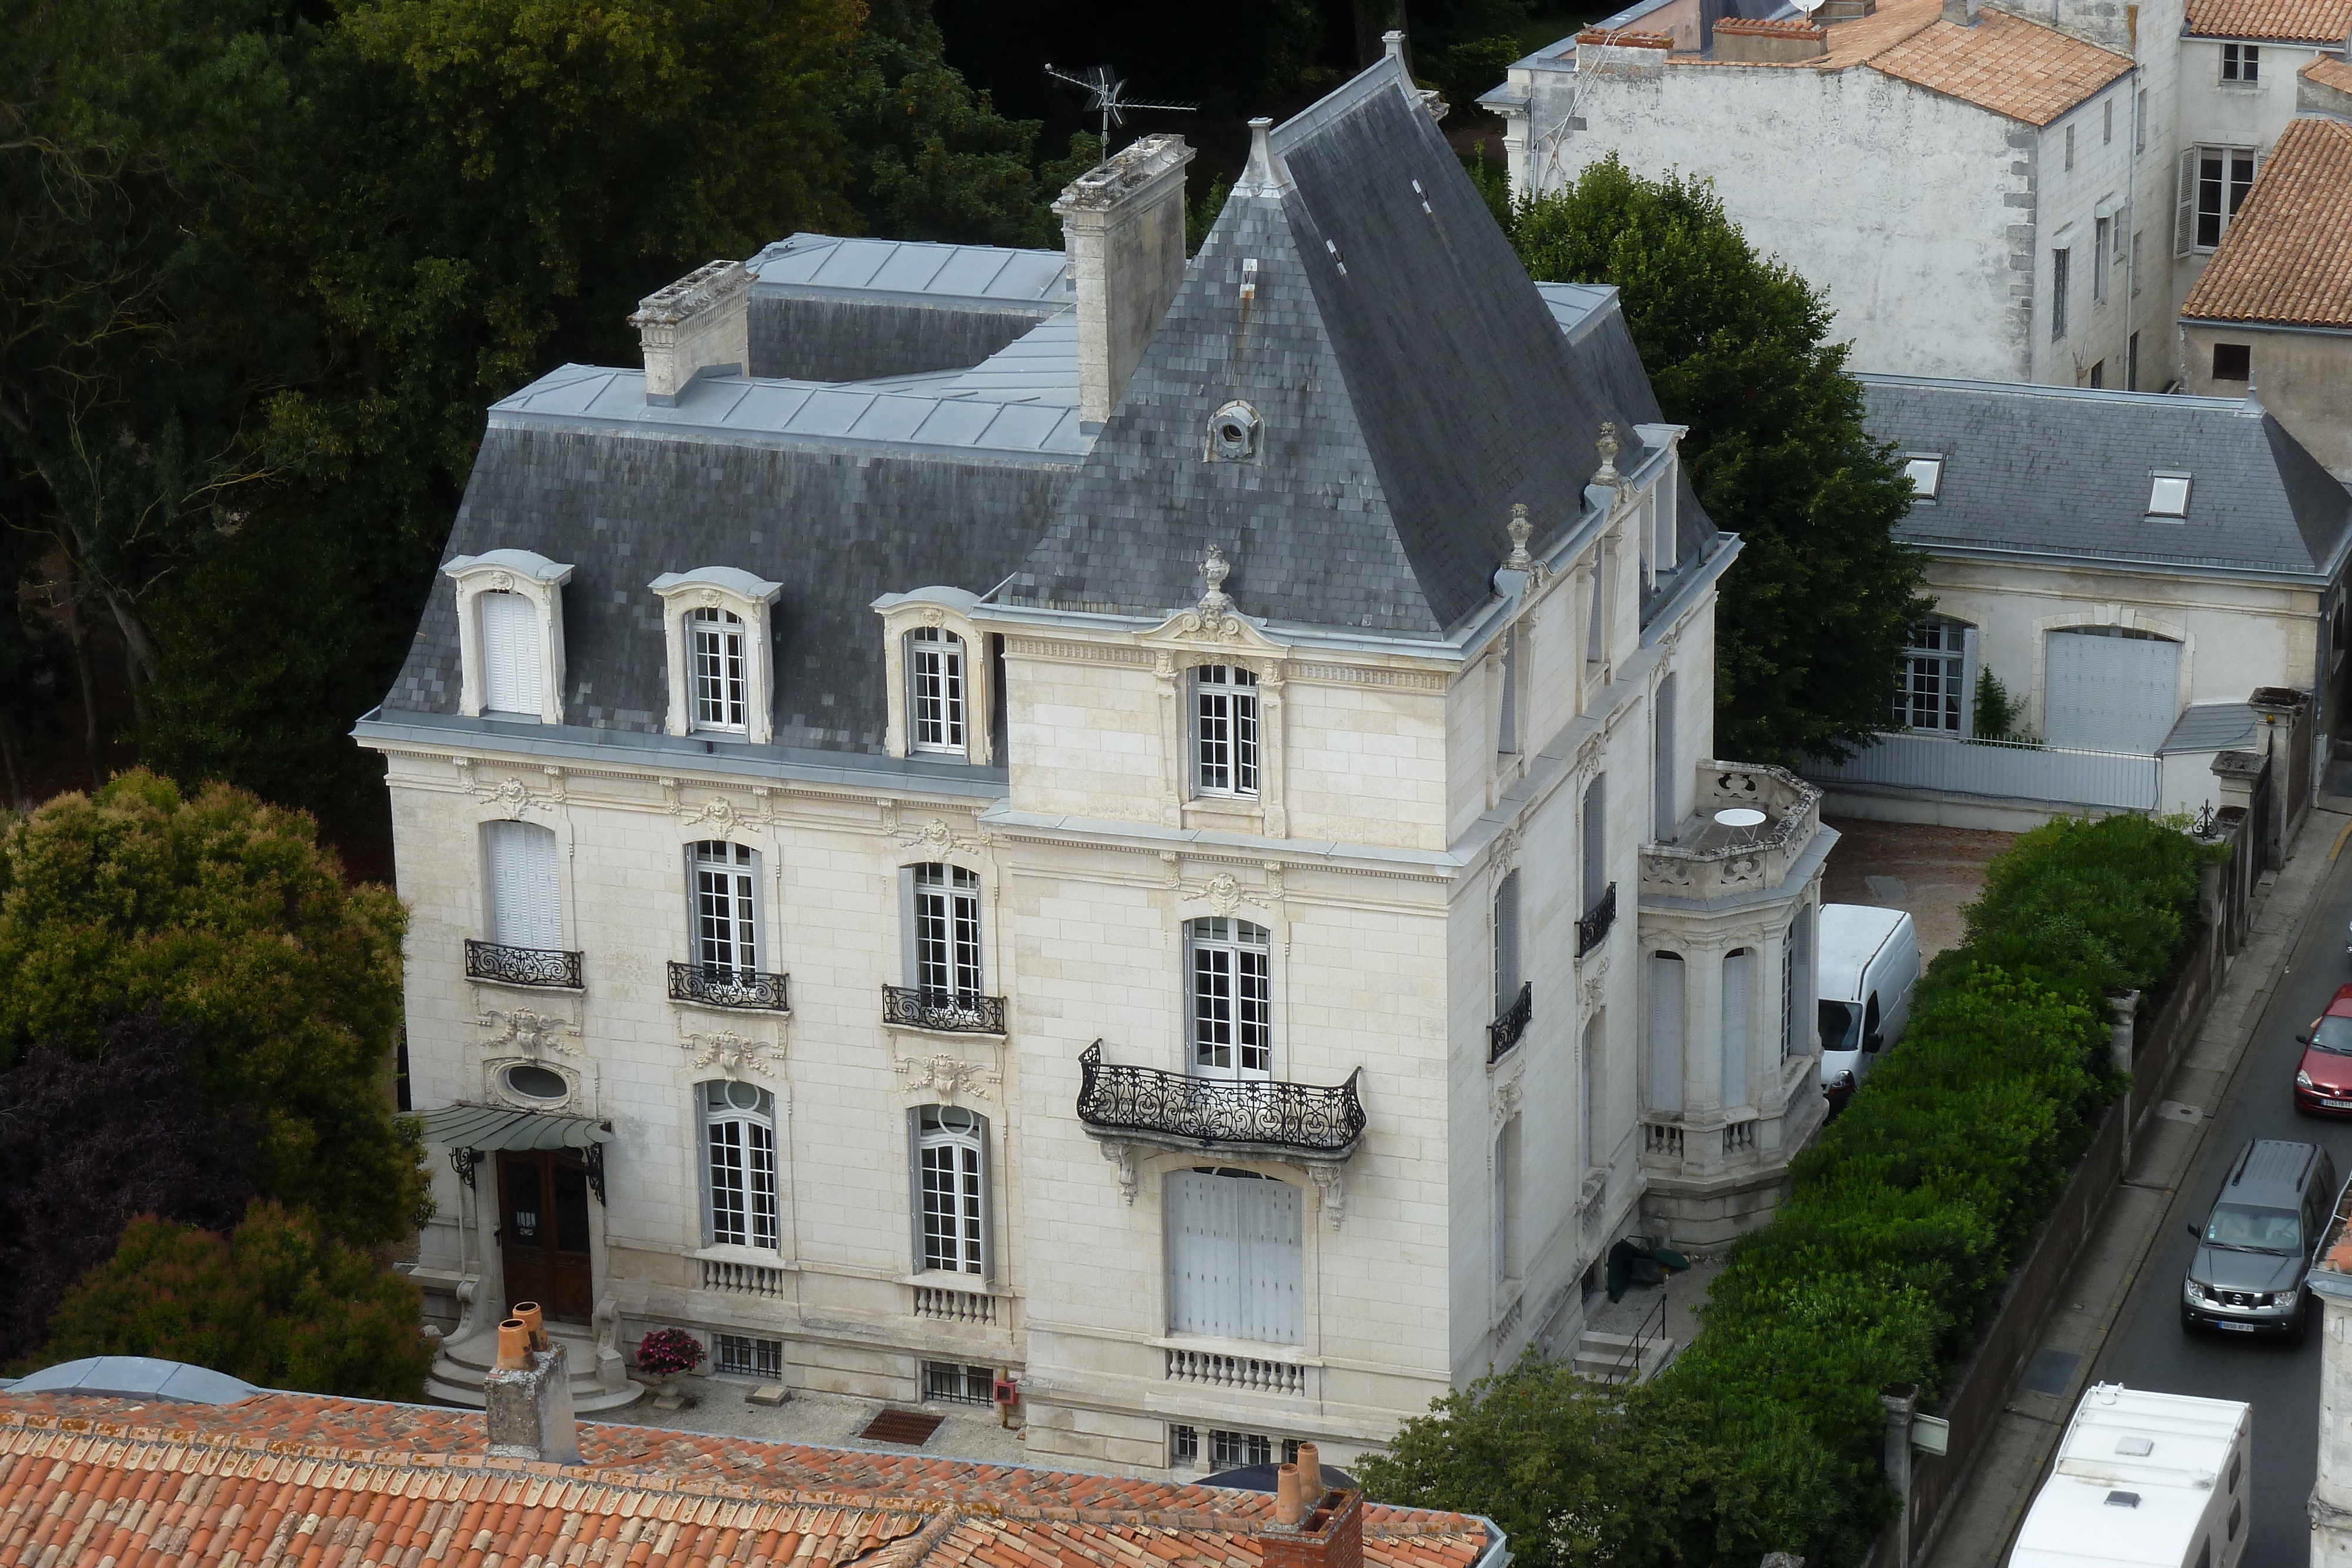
(2123, 1500)
(2136, 1446)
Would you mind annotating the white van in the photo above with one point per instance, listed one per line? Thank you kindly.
(2153, 1480)
(1869, 967)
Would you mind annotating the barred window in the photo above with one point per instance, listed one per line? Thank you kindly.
(1224, 730)
(1232, 998)
(954, 1384)
(715, 669)
(1232, 1450)
(744, 1356)
(739, 1155)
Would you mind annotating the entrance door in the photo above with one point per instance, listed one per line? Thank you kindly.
(543, 1233)
(2108, 693)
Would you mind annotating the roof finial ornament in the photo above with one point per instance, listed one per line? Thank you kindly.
(1608, 447)
(1216, 602)
(1520, 529)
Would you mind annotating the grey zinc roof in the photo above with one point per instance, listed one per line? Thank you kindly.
(2058, 471)
(1411, 384)
(828, 308)
(2212, 726)
(813, 264)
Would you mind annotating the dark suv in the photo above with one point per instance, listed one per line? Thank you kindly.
(2256, 1246)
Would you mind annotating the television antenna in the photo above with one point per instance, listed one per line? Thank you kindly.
(1104, 92)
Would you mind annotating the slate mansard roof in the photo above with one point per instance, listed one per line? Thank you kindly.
(2058, 471)
(1413, 383)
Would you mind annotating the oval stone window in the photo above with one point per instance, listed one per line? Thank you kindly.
(1233, 433)
(537, 1083)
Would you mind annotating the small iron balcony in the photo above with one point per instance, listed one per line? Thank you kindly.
(1504, 1033)
(716, 987)
(915, 1007)
(1593, 927)
(550, 966)
(1242, 1115)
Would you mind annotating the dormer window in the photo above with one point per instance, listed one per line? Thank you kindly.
(935, 690)
(2167, 497)
(716, 622)
(1926, 472)
(1224, 730)
(510, 634)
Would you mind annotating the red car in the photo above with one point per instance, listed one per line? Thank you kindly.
(2322, 1079)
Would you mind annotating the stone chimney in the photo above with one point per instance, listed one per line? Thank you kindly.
(1123, 230)
(699, 325)
(1961, 13)
(1742, 38)
(529, 1394)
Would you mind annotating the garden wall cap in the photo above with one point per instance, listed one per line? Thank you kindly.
(2239, 764)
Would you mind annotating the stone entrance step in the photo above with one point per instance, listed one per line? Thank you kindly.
(1611, 1357)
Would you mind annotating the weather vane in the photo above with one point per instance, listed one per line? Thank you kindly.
(1103, 91)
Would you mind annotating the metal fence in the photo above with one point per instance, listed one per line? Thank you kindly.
(1997, 768)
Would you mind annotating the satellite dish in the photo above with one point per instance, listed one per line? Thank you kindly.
(1810, 6)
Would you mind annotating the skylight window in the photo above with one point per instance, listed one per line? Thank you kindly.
(2167, 495)
(1927, 475)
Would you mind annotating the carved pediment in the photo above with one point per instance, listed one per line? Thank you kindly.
(1222, 632)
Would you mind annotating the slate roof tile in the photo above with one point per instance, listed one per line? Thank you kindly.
(2287, 257)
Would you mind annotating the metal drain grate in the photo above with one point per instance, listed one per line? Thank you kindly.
(911, 1427)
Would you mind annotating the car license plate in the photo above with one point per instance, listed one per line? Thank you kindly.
(2337, 1104)
(2240, 1328)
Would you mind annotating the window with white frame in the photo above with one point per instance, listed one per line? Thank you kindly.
(725, 891)
(2241, 63)
(1934, 693)
(514, 669)
(951, 1190)
(738, 1140)
(2213, 184)
(1224, 730)
(935, 691)
(1232, 998)
(944, 956)
(716, 670)
(526, 906)
(1235, 1255)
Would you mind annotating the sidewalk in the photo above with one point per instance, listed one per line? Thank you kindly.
(2009, 1467)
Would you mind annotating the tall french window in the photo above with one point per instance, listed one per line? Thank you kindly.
(1506, 943)
(947, 933)
(1666, 1004)
(1224, 730)
(1232, 998)
(725, 937)
(936, 689)
(739, 1131)
(951, 1190)
(1934, 693)
(1738, 978)
(1234, 1256)
(512, 668)
(715, 672)
(526, 909)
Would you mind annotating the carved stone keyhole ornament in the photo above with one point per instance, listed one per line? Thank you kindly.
(535, 1035)
(732, 1053)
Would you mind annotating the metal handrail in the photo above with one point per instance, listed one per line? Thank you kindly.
(952, 1011)
(1593, 925)
(716, 987)
(1301, 1118)
(1653, 1327)
(1505, 1031)
(550, 967)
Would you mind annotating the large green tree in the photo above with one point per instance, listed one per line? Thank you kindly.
(224, 914)
(1815, 613)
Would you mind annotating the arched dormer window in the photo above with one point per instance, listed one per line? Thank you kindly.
(509, 634)
(945, 675)
(716, 625)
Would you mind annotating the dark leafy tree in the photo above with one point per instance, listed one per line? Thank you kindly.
(87, 1143)
(276, 1302)
(1815, 614)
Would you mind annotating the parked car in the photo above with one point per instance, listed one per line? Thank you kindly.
(1868, 968)
(2255, 1250)
(2322, 1079)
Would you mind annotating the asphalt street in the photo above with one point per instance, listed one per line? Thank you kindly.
(2147, 1348)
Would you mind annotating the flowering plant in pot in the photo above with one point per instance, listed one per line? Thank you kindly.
(663, 1356)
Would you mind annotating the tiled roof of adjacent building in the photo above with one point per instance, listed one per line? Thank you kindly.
(2066, 472)
(89, 1480)
(2285, 21)
(2287, 258)
(2330, 70)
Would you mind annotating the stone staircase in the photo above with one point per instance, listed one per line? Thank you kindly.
(1611, 1357)
(600, 1379)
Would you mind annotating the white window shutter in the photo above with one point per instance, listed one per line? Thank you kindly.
(1738, 974)
(1272, 1211)
(1666, 1033)
(1506, 945)
(915, 1186)
(2184, 211)
(525, 903)
(1195, 1281)
(987, 1204)
(510, 650)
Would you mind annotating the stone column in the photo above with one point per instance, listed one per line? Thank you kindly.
(2331, 1497)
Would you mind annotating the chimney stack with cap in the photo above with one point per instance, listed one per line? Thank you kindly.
(529, 1394)
(1960, 13)
(1123, 231)
(700, 325)
(1315, 1526)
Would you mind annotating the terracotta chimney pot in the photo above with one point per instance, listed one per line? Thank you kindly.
(1310, 1477)
(1288, 1508)
(514, 1345)
(533, 1320)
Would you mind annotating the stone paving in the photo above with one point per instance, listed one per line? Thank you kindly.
(1932, 872)
(833, 1421)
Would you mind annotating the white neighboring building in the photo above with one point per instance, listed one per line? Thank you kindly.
(1214, 913)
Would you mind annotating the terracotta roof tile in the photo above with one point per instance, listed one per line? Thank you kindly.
(2287, 258)
(2289, 21)
(304, 1481)
(2330, 70)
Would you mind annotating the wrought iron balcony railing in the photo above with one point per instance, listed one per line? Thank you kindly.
(550, 966)
(1169, 1108)
(916, 1007)
(1596, 921)
(716, 987)
(1505, 1031)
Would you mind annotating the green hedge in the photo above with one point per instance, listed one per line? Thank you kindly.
(1902, 1224)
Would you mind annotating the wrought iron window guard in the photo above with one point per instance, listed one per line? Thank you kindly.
(915, 1007)
(716, 987)
(1596, 921)
(1505, 1031)
(1153, 1106)
(550, 966)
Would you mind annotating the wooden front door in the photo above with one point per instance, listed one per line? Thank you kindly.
(543, 1233)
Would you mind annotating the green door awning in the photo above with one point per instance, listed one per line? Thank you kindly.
(490, 1128)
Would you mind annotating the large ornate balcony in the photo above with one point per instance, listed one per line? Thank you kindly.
(1145, 1105)
(715, 987)
(965, 1013)
(550, 966)
(1711, 859)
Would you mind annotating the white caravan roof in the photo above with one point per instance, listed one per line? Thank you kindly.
(2163, 1451)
